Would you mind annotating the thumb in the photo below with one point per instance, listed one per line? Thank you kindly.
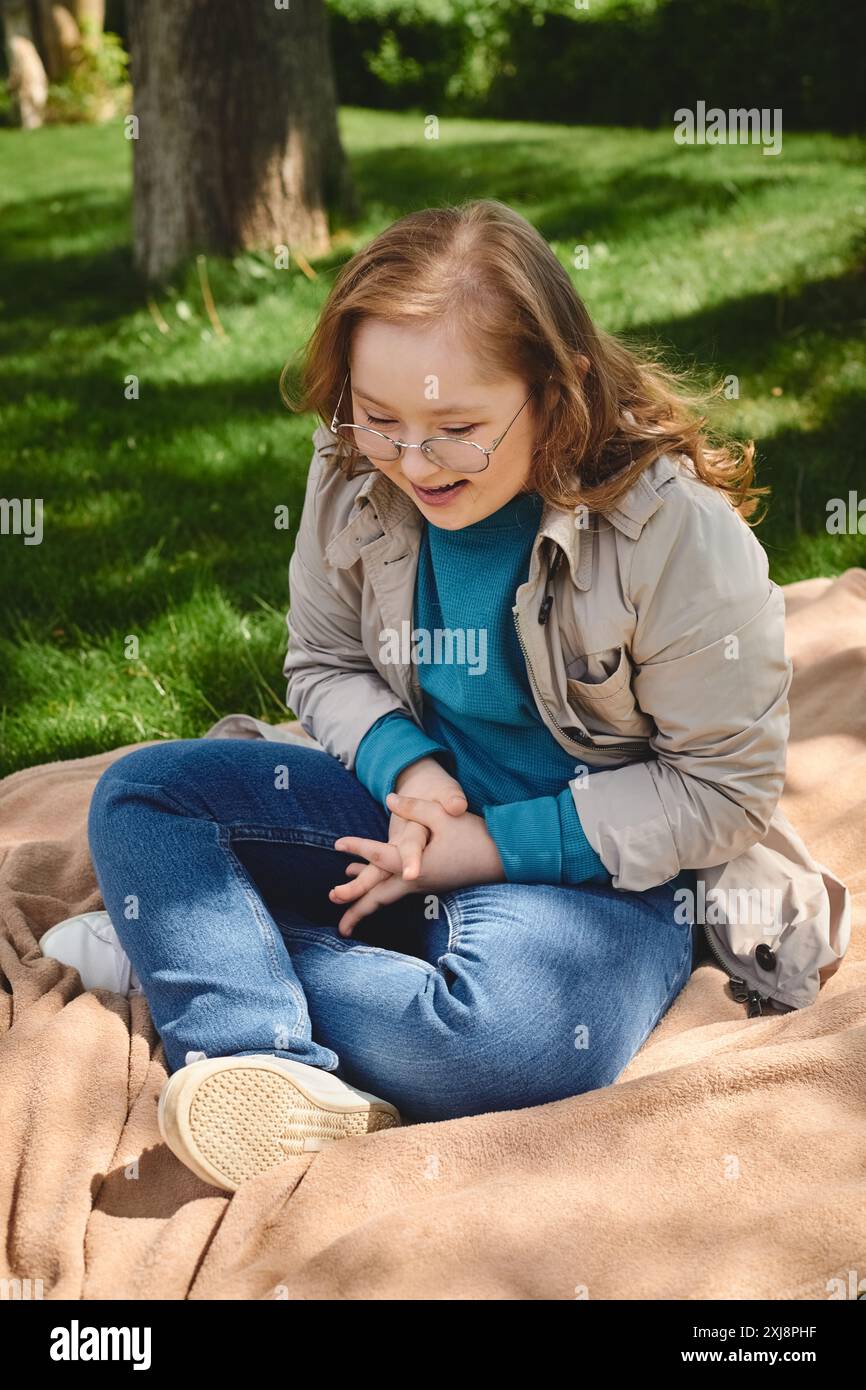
(454, 801)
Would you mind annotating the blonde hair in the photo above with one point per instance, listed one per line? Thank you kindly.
(480, 262)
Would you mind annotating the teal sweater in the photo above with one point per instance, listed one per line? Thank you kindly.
(480, 718)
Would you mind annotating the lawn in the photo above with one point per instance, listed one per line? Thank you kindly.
(159, 512)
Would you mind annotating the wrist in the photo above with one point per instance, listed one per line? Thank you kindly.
(422, 778)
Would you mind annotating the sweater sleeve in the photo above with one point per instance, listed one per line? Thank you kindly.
(390, 745)
(542, 841)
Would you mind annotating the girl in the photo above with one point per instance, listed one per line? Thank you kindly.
(537, 648)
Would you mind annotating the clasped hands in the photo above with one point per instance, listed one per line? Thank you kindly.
(434, 844)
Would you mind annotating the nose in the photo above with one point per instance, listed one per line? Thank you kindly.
(417, 468)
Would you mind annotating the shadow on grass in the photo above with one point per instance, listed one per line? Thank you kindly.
(94, 281)
(616, 201)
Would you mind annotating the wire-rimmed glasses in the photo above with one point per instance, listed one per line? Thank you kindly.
(458, 455)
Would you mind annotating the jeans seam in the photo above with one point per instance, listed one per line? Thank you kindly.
(266, 928)
(319, 937)
(285, 835)
(672, 997)
(251, 830)
(455, 925)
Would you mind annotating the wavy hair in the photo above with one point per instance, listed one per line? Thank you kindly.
(481, 263)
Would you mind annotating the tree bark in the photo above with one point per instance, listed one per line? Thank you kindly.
(237, 143)
(28, 80)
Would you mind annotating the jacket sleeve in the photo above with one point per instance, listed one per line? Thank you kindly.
(333, 686)
(708, 652)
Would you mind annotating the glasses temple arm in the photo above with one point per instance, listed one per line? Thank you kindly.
(339, 399)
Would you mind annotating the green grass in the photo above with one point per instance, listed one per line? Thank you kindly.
(159, 513)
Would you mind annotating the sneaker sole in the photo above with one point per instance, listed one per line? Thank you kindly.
(230, 1119)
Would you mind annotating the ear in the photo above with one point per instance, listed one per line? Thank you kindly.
(582, 364)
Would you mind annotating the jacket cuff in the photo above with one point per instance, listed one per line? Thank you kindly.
(542, 841)
(390, 745)
(624, 820)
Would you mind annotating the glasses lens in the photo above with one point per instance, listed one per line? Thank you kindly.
(369, 443)
(457, 454)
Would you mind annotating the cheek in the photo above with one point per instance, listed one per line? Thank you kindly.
(512, 476)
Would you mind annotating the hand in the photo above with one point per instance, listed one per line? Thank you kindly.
(460, 852)
(426, 778)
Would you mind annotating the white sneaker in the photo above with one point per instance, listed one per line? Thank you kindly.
(232, 1118)
(90, 943)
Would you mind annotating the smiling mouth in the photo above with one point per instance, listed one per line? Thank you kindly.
(445, 487)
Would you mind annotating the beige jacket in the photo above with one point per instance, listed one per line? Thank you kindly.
(661, 660)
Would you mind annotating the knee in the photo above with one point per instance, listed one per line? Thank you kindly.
(180, 766)
(152, 765)
(502, 1054)
(149, 766)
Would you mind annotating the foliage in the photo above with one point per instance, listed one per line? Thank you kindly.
(96, 87)
(617, 62)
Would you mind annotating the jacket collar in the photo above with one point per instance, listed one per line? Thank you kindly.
(380, 509)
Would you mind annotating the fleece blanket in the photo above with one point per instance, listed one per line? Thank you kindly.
(726, 1162)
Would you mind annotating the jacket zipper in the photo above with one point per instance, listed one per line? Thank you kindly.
(575, 737)
(740, 990)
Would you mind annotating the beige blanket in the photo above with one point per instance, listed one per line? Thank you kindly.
(729, 1161)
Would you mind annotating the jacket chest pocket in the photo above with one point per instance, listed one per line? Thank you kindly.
(599, 691)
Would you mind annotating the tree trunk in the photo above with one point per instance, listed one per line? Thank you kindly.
(237, 143)
(28, 81)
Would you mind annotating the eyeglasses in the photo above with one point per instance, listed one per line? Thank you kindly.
(458, 455)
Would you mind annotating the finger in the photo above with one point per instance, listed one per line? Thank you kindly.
(368, 878)
(384, 893)
(365, 907)
(386, 856)
(397, 827)
(455, 803)
(366, 874)
(411, 844)
(353, 872)
(414, 808)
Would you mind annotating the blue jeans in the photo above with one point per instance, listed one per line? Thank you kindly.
(215, 857)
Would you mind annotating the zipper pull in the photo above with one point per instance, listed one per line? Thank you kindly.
(547, 601)
(755, 1000)
(750, 997)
